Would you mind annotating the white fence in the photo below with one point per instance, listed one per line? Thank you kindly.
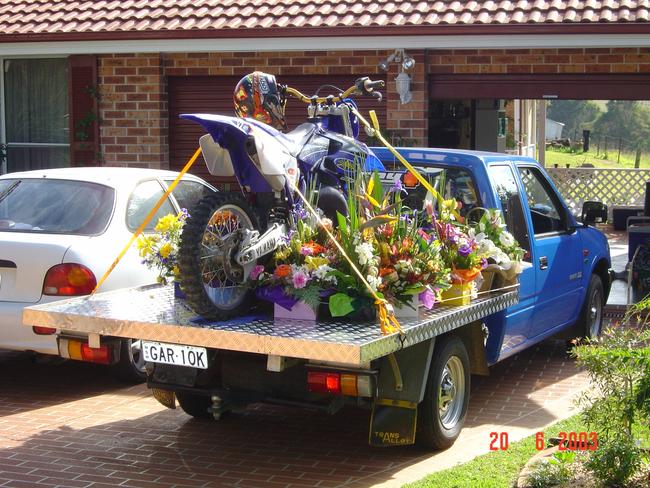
(610, 186)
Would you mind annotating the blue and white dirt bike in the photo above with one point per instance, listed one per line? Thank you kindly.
(227, 234)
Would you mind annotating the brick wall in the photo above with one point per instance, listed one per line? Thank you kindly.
(528, 61)
(409, 121)
(133, 111)
(133, 104)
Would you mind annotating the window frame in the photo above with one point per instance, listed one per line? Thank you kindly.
(163, 188)
(524, 205)
(4, 163)
(555, 198)
(166, 181)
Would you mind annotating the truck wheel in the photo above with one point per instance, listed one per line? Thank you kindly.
(591, 316)
(195, 405)
(209, 276)
(441, 415)
(130, 368)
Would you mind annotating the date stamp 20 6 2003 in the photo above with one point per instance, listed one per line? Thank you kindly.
(567, 441)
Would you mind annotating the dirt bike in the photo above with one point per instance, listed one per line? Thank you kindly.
(227, 234)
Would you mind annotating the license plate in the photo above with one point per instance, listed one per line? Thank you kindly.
(190, 356)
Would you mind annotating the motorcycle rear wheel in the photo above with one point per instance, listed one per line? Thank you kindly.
(209, 276)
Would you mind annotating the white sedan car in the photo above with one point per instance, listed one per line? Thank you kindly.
(60, 230)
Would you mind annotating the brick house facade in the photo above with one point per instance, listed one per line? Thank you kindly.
(134, 116)
(470, 51)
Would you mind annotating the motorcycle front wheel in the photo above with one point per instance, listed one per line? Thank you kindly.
(211, 279)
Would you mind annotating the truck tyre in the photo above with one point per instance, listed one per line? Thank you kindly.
(591, 316)
(209, 276)
(130, 368)
(441, 415)
(195, 405)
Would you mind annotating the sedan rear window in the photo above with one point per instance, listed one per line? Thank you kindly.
(52, 206)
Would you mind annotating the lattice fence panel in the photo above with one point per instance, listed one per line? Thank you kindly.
(610, 186)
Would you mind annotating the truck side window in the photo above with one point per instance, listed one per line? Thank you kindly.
(545, 210)
(507, 190)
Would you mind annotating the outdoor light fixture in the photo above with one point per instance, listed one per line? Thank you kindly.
(403, 80)
(399, 56)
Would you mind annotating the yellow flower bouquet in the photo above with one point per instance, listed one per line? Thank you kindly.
(159, 251)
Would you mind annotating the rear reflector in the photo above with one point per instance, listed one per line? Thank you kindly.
(410, 180)
(43, 330)
(319, 382)
(349, 384)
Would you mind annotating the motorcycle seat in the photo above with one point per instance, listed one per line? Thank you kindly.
(295, 140)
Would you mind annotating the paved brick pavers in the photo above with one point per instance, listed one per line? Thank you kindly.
(72, 425)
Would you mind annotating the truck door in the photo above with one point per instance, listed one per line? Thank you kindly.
(510, 332)
(556, 253)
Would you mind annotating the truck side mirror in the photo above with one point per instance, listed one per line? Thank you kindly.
(594, 212)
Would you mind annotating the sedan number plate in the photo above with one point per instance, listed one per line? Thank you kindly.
(158, 352)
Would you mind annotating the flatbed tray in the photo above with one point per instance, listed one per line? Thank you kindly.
(153, 313)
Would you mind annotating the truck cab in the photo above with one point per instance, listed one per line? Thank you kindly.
(565, 281)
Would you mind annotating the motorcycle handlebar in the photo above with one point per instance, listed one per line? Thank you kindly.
(362, 86)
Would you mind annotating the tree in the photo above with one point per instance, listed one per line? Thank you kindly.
(627, 119)
(576, 115)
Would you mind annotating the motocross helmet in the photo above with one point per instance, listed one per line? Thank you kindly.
(258, 96)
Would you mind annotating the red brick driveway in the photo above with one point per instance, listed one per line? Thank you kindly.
(72, 425)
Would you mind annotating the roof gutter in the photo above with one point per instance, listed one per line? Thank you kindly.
(472, 37)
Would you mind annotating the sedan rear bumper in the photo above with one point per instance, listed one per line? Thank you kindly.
(18, 337)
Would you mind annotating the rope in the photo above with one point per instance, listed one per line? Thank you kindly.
(387, 321)
(147, 219)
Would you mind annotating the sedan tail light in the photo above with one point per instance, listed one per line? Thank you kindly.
(69, 279)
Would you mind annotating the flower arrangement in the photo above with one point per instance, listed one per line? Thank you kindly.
(299, 270)
(160, 250)
(495, 241)
(384, 250)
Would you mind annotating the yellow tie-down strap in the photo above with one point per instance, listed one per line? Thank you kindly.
(147, 219)
(374, 130)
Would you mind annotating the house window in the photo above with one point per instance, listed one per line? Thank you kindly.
(36, 114)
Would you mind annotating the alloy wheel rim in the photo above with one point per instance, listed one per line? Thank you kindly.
(595, 312)
(451, 392)
(135, 352)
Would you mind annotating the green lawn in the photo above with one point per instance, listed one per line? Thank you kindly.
(562, 158)
(497, 469)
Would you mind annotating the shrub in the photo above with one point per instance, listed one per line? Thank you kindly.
(618, 364)
(555, 471)
(615, 461)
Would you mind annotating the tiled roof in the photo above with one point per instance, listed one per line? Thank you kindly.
(34, 17)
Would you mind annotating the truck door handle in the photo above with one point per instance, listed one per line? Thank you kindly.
(543, 262)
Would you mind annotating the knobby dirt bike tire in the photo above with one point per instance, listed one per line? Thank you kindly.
(189, 256)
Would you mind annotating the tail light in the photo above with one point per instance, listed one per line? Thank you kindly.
(319, 382)
(81, 351)
(69, 279)
(38, 330)
(101, 355)
(348, 384)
